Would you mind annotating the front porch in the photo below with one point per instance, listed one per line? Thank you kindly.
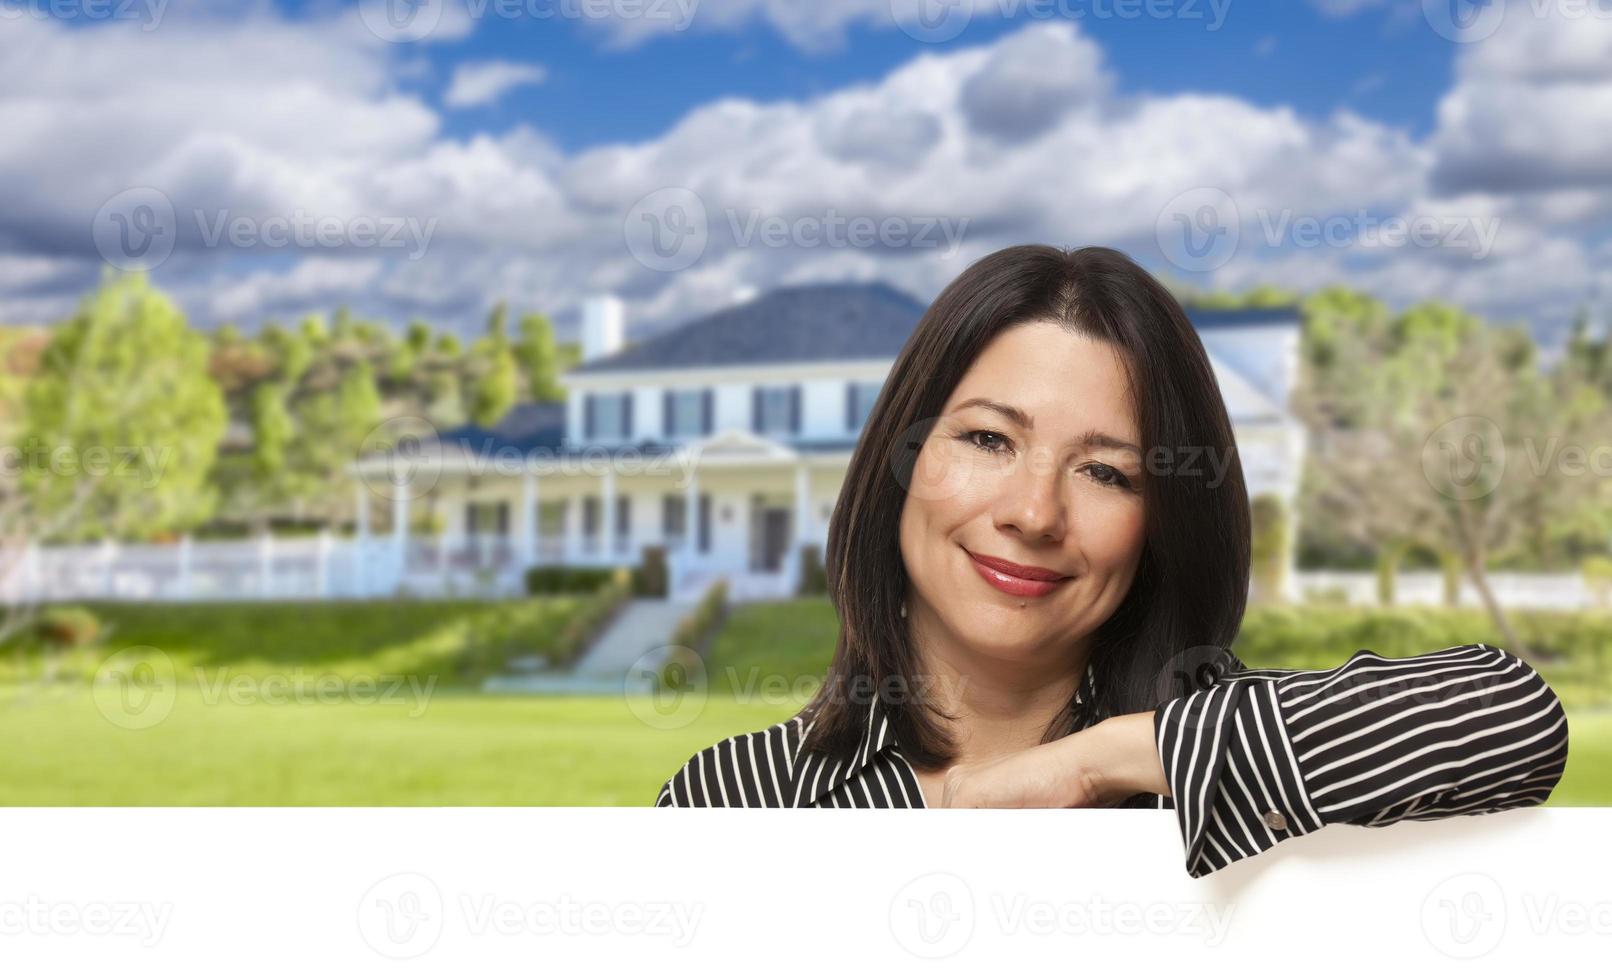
(734, 506)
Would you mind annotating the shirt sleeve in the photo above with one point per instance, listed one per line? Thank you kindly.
(1263, 755)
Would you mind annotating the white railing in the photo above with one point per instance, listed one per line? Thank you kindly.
(329, 567)
(1512, 590)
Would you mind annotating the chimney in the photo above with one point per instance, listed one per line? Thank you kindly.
(603, 326)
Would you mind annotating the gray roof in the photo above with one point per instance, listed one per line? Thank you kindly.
(837, 322)
(527, 426)
(798, 323)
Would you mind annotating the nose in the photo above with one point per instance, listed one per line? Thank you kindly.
(1032, 501)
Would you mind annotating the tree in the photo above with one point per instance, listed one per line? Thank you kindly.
(272, 431)
(123, 399)
(1426, 429)
(539, 359)
(292, 352)
(498, 323)
(332, 423)
(495, 389)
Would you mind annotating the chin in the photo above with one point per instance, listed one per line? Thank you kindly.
(997, 637)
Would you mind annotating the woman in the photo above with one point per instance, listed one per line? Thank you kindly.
(1038, 557)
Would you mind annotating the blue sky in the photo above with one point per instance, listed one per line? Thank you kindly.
(540, 159)
(1270, 53)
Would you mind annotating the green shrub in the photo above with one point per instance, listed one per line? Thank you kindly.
(550, 579)
(692, 634)
(650, 578)
(813, 578)
(67, 627)
(590, 620)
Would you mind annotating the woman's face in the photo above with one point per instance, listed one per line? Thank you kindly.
(1056, 485)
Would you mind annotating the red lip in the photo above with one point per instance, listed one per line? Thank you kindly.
(1025, 581)
(1034, 573)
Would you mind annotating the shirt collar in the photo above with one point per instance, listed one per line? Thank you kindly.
(879, 735)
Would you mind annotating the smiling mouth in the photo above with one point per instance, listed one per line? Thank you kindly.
(1015, 585)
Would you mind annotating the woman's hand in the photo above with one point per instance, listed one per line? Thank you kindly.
(1097, 766)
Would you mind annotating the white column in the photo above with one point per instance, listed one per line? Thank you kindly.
(526, 522)
(573, 528)
(691, 516)
(183, 570)
(607, 535)
(803, 505)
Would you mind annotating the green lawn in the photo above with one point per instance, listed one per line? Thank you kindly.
(462, 749)
(453, 641)
(444, 743)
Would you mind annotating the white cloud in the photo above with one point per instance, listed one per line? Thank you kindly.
(1531, 106)
(484, 82)
(263, 116)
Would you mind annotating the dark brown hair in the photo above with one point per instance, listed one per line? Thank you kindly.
(1191, 584)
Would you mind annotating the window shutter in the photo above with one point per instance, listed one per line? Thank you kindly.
(794, 410)
(587, 416)
(850, 407)
(755, 409)
(705, 522)
(626, 414)
(706, 412)
(623, 517)
(666, 413)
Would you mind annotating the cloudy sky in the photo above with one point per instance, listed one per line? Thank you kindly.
(426, 158)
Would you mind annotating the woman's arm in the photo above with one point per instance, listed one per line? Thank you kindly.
(1260, 756)
(1265, 755)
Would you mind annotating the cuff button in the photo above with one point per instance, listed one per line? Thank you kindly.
(1275, 820)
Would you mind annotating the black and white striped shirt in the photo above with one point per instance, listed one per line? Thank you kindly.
(1253, 756)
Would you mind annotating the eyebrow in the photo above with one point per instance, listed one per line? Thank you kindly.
(1091, 437)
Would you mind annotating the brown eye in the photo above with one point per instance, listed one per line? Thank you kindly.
(968, 437)
(1109, 477)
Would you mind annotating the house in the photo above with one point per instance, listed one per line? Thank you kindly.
(725, 440)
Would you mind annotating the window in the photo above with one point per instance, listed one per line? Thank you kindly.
(487, 517)
(775, 409)
(684, 413)
(674, 520)
(607, 416)
(673, 515)
(859, 399)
